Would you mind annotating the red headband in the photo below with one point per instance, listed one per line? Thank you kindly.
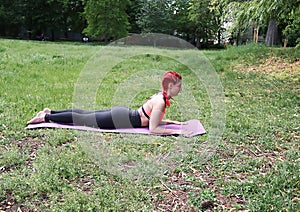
(175, 74)
(171, 75)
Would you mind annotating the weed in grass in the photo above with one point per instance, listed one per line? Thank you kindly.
(203, 200)
(293, 155)
(12, 158)
(275, 189)
(60, 137)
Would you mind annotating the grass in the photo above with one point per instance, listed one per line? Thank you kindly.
(254, 167)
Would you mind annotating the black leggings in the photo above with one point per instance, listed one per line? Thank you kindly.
(114, 118)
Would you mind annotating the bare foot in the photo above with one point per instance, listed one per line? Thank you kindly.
(47, 110)
(39, 118)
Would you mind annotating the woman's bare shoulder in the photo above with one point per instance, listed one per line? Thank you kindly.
(157, 101)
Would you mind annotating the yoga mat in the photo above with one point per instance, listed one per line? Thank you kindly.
(194, 126)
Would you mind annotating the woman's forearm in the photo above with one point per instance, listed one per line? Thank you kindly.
(163, 122)
(161, 130)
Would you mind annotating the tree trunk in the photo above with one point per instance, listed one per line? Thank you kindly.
(285, 43)
(238, 38)
(198, 44)
(52, 35)
(66, 35)
(219, 36)
(272, 34)
(255, 32)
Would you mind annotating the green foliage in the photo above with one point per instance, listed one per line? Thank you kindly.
(65, 14)
(183, 26)
(197, 21)
(259, 13)
(198, 11)
(36, 17)
(74, 19)
(291, 22)
(202, 18)
(107, 19)
(132, 11)
(155, 16)
(207, 21)
(10, 17)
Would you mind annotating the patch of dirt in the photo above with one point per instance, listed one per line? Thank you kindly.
(11, 205)
(85, 184)
(28, 145)
(274, 66)
(173, 195)
(175, 198)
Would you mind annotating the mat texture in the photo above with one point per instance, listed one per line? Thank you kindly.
(194, 126)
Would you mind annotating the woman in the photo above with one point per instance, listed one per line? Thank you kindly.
(150, 114)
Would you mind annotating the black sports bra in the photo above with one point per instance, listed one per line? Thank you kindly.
(148, 117)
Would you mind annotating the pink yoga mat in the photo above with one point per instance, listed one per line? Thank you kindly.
(194, 126)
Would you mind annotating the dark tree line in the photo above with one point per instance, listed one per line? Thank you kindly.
(32, 18)
(201, 22)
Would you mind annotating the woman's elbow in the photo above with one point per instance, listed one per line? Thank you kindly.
(152, 130)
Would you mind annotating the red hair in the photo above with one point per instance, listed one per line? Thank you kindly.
(170, 77)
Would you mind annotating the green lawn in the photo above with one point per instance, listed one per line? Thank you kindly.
(255, 166)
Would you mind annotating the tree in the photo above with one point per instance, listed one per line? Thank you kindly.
(155, 16)
(54, 17)
(132, 11)
(203, 19)
(41, 16)
(73, 19)
(106, 19)
(272, 34)
(218, 8)
(260, 13)
(291, 31)
(244, 14)
(35, 22)
(183, 26)
(10, 17)
(287, 15)
(277, 13)
(272, 9)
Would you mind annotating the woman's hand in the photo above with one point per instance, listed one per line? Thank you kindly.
(173, 122)
(179, 122)
(186, 133)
